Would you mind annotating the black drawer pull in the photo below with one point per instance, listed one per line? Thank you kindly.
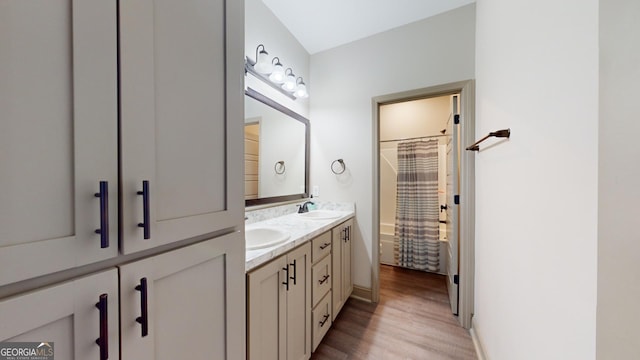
(103, 194)
(325, 245)
(294, 272)
(143, 319)
(325, 318)
(103, 340)
(145, 224)
(286, 283)
(324, 279)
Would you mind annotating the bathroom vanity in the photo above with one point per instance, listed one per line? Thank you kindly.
(295, 288)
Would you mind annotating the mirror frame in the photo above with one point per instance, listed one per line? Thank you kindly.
(276, 199)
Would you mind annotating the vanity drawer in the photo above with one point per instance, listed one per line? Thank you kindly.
(321, 279)
(321, 246)
(320, 321)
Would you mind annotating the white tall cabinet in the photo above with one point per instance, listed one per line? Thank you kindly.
(122, 121)
(69, 315)
(174, 57)
(58, 135)
(177, 301)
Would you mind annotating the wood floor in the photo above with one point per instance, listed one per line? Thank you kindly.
(412, 321)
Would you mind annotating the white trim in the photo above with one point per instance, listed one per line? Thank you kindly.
(477, 344)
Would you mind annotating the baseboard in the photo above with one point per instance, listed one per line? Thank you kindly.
(477, 344)
(361, 293)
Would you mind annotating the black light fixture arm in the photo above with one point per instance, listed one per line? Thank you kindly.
(505, 133)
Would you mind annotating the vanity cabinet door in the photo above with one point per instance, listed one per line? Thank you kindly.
(279, 308)
(58, 135)
(186, 299)
(347, 270)
(267, 311)
(181, 119)
(67, 315)
(299, 304)
(342, 285)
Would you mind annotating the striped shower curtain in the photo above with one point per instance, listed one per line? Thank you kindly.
(417, 227)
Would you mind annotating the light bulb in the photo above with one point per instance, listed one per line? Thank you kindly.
(277, 75)
(301, 89)
(290, 81)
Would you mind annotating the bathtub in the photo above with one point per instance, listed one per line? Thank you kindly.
(386, 246)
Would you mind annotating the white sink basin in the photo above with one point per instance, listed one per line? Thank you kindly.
(320, 215)
(258, 238)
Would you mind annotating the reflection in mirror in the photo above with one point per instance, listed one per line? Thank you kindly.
(276, 151)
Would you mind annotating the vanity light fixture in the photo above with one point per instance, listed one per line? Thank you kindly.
(301, 89)
(277, 75)
(289, 81)
(272, 73)
(263, 66)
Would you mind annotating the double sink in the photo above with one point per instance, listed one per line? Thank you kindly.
(263, 237)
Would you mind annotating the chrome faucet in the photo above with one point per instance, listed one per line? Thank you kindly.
(304, 207)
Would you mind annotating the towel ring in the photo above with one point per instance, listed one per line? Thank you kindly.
(279, 167)
(338, 166)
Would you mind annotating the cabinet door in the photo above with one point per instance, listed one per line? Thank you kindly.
(66, 314)
(181, 119)
(267, 311)
(347, 278)
(58, 134)
(337, 288)
(299, 304)
(194, 299)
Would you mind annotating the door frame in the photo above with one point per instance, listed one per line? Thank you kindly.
(466, 243)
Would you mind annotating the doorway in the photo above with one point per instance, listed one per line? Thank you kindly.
(457, 261)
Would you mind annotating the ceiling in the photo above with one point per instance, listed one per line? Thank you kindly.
(323, 24)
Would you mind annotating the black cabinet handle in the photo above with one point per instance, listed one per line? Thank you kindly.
(344, 234)
(324, 246)
(145, 210)
(294, 272)
(103, 194)
(325, 318)
(349, 233)
(286, 283)
(324, 279)
(143, 319)
(103, 340)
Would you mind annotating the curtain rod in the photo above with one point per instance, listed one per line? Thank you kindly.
(414, 138)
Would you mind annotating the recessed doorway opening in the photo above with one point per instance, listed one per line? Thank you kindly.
(426, 224)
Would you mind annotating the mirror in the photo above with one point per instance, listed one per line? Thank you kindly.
(276, 151)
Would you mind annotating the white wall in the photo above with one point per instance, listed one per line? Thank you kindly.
(262, 27)
(536, 194)
(619, 175)
(423, 117)
(433, 51)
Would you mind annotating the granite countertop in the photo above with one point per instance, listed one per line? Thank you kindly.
(300, 229)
